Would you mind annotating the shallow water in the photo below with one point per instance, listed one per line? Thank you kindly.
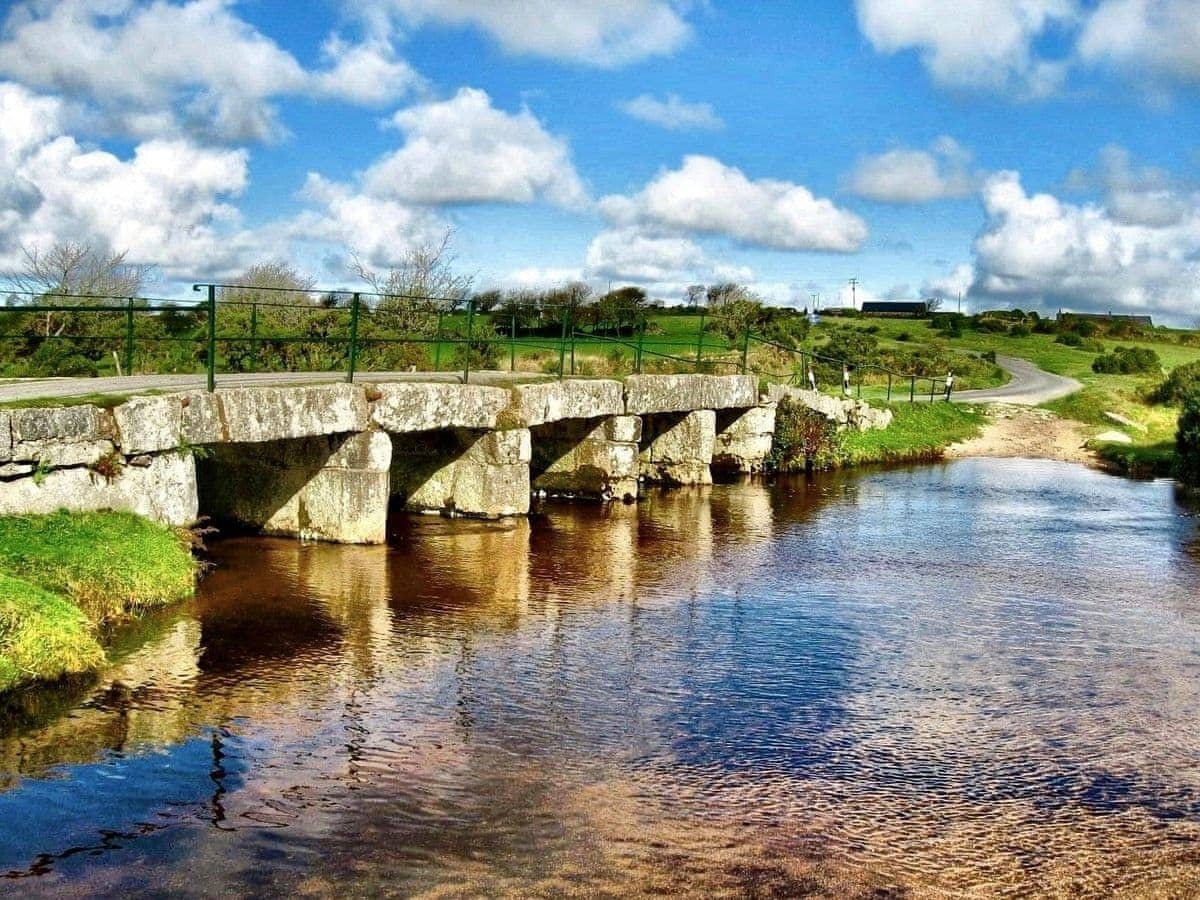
(978, 678)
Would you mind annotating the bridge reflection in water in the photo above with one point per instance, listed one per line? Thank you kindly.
(934, 679)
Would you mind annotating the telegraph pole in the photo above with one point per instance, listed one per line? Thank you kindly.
(816, 299)
(854, 292)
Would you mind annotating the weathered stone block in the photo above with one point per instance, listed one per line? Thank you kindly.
(63, 424)
(148, 424)
(537, 404)
(5, 436)
(164, 491)
(368, 450)
(464, 472)
(200, 418)
(744, 439)
(580, 458)
(682, 393)
(253, 415)
(410, 407)
(678, 448)
(844, 411)
(623, 429)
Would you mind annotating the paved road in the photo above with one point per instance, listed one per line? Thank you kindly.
(1030, 386)
(61, 388)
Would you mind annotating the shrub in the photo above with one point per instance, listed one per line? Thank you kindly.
(1187, 440)
(904, 336)
(804, 439)
(1020, 331)
(1179, 384)
(1069, 339)
(1127, 361)
(988, 356)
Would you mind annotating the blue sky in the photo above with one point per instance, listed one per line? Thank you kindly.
(1035, 153)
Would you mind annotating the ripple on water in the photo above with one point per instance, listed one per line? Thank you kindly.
(978, 678)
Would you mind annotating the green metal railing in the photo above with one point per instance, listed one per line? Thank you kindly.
(358, 324)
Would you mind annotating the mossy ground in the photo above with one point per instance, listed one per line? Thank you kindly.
(919, 432)
(64, 575)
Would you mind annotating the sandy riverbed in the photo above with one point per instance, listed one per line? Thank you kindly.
(1020, 431)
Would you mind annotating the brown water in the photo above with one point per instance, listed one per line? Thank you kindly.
(974, 679)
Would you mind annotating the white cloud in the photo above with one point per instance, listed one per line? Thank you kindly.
(368, 73)
(163, 69)
(1038, 250)
(602, 33)
(673, 113)
(704, 196)
(949, 286)
(628, 254)
(915, 176)
(464, 150)
(1155, 37)
(380, 230)
(165, 204)
(978, 44)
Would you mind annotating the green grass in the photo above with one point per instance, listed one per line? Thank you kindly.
(43, 637)
(110, 564)
(918, 432)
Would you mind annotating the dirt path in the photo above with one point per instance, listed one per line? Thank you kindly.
(1021, 431)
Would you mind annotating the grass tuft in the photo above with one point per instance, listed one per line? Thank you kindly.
(919, 432)
(43, 637)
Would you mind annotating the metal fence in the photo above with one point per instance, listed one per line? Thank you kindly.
(231, 326)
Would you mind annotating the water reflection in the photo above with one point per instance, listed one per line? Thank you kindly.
(978, 677)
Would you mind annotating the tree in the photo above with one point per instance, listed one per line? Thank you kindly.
(620, 309)
(271, 284)
(412, 292)
(486, 301)
(75, 269)
(695, 293)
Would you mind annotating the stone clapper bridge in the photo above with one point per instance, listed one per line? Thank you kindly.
(324, 462)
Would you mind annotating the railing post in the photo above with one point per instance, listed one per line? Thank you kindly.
(562, 346)
(467, 355)
(437, 345)
(745, 349)
(212, 338)
(129, 337)
(889, 396)
(931, 389)
(700, 340)
(254, 335)
(912, 389)
(637, 357)
(353, 338)
(512, 347)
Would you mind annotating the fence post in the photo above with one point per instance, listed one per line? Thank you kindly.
(571, 313)
(129, 337)
(637, 356)
(745, 349)
(562, 346)
(912, 389)
(700, 340)
(212, 338)
(889, 397)
(437, 345)
(931, 389)
(512, 347)
(254, 334)
(353, 338)
(467, 355)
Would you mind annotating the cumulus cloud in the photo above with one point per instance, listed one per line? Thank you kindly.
(954, 283)
(1134, 195)
(915, 176)
(1160, 37)
(975, 44)
(628, 254)
(165, 204)
(1038, 250)
(601, 33)
(674, 114)
(464, 150)
(704, 196)
(165, 70)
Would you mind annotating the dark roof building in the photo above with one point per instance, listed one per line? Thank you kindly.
(905, 309)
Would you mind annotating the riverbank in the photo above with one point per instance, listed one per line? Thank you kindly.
(65, 576)
(1026, 432)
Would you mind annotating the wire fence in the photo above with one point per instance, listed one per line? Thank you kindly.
(237, 328)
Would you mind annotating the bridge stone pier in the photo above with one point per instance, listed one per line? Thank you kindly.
(326, 462)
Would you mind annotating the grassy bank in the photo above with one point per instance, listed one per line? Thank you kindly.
(918, 432)
(65, 575)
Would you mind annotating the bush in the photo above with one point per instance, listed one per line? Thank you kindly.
(1020, 331)
(804, 439)
(1069, 339)
(1127, 361)
(988, 356)
(904, 336)
(1187, 440)
(1183, 381)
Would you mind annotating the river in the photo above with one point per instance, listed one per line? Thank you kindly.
(977, 678)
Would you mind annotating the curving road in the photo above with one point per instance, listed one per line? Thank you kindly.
(1029, 386)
